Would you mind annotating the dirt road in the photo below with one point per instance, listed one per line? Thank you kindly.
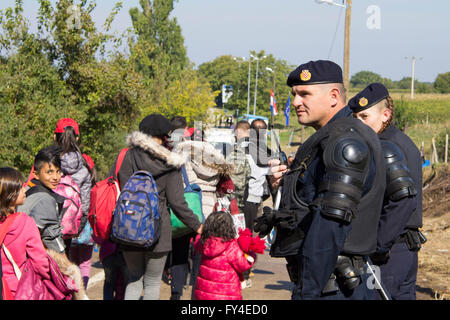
(271, 281)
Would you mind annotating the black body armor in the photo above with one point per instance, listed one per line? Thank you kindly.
(413, 163)
(399, 183)
(346, 149)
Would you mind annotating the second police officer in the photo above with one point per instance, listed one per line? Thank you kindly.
(331, 195)
(399, 238)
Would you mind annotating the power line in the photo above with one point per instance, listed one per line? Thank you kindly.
(335, 33)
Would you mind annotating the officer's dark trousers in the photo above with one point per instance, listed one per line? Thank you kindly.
(399, 274)
(362, 292)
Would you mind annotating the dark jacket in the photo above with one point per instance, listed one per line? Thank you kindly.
(326, 238)
(45, 206)
(399, 216)
(165, 167)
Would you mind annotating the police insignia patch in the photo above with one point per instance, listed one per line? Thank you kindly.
(305, 75)
(363, 102)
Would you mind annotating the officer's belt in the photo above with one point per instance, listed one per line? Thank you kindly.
(401, 239)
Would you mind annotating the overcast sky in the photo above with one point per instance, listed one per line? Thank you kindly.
(302, 30)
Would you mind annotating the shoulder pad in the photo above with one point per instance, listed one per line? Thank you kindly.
(392, 153)
(348, 151)
(399, 182)
(347, 159)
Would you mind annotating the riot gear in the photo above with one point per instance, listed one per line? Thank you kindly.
(346, 162)
(346, 273)
(399, 183)
(347, 146)
(413, 161)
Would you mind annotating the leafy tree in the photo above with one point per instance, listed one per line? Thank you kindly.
(424, 87)
(364, 78)
(190, 96)
(65, 73)
(442, 83)
(230, 71)
(158, 52)
(159, 56)
(33, 98)
(405, 83)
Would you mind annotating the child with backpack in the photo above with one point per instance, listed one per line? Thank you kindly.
(149, 156)
(21, 238)
(74, 164)
(42, 203)
(223, 261)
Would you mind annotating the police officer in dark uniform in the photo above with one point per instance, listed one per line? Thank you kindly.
(332, 193)
(399, 238)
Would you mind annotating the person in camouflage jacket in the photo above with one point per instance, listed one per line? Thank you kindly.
(238, 158)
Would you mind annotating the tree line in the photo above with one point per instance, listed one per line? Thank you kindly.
(440, 85)
(70, 68)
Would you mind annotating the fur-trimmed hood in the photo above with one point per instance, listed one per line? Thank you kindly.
(69, 269)
(146, 142)
(203, 154)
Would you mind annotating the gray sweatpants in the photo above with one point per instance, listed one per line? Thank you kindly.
(145, 272)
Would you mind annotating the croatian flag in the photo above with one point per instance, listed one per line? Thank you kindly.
(273, 104)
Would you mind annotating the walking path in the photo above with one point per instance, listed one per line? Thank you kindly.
(271, 281)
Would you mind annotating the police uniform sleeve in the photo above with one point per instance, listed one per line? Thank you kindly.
(393, 221)
(346, 162)
(400, 197)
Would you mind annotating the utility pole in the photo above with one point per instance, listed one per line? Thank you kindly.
(249, 72)
(256, 86)
(413, 74)
(256, 81)
(272, 116)
(348, 18)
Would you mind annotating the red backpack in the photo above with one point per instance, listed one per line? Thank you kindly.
(104, 196)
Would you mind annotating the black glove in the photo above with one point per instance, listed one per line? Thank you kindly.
(264, 224)
(380, 257)
(286, 219)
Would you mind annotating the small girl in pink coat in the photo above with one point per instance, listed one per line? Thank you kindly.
(22, 237)
(222, 260)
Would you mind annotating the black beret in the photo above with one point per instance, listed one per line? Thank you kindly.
(369, 97)
(316, 72)
(156, 125)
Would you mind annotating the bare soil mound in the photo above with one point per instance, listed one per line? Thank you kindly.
(433, 280)
(436, 194)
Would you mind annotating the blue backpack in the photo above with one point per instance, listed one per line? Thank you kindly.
(136, 220)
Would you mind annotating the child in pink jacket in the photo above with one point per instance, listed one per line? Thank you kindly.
(22, 238)
(222, 260)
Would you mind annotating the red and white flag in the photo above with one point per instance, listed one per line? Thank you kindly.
(273, 104)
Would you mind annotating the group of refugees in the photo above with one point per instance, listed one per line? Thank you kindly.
(349, 199)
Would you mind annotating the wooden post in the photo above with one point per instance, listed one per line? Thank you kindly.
(348, 17)
(435, 151)
(422, 151)
(446, 149)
